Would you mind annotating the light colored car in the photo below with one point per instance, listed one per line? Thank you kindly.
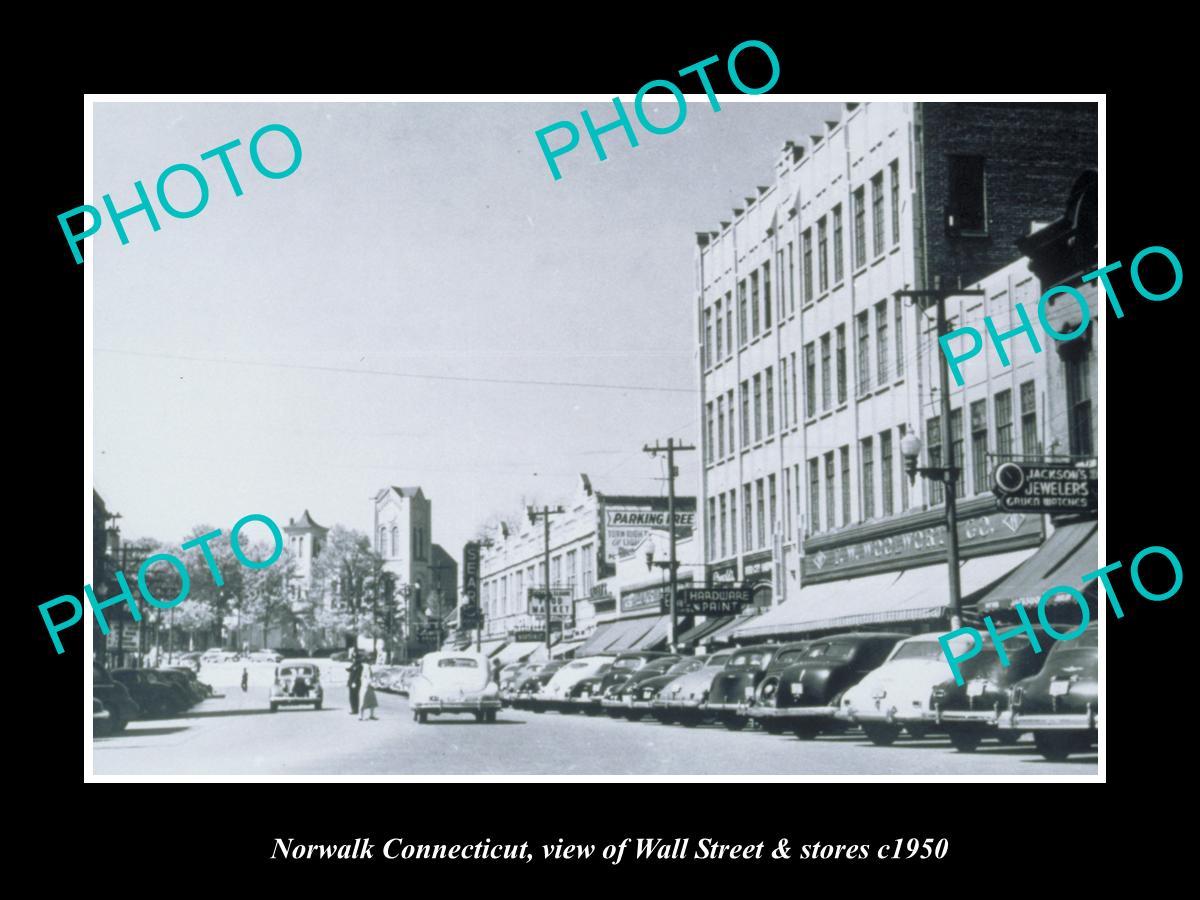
(217, 655)
(681, 700)
(454, 682)
(899, 693)
(297, 684)
(272, 656)
(557, 692)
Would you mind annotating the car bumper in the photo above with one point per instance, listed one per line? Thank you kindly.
(1085, 721)
(791, 712)
(690, 704)
(888, 714)
(724, 707)
(966, 716)
(479, 705)
(299, 701)
(617, 702)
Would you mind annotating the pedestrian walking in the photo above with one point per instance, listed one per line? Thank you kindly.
(354, 682)
(369, 700)
(245, 680)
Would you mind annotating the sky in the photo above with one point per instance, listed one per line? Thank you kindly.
(239, 353)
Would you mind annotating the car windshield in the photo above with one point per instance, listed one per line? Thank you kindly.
(458, 662)
(718, 661)
(288, 671)
(686, 665)
(919, 650)
(632, 663)
(747, 660)
(830, 650)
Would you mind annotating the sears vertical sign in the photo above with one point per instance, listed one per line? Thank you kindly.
(470, 570)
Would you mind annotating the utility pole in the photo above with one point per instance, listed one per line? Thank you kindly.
(545, 513)
(671, 449)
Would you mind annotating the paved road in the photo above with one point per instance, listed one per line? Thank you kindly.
(237, 735)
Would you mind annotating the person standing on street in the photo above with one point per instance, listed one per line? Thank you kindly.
(354, 682)
(245, 679)
(369, 700)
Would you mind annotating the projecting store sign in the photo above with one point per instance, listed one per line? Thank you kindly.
(626, 526)
(728, 601)
(1045, 487)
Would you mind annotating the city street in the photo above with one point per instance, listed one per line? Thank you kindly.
(237, 735)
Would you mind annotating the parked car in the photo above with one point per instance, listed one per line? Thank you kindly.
(899, 694)
(297, 684)
(970, 712)
(682, 698)
(191, 692)
(155, 696)
(270, 656)
(1061, 703)
(583, 693)
(532, 683)
(511, 676)
(190, 660)
(344, 656)
(116, 699)
(381, 677)
(204, 688)
(623, 666)
(217, 655)
(804, 685)
(556, 694)
(101, 718)
(454, 682)
(619, 700)
(639, 692)
(735, 685)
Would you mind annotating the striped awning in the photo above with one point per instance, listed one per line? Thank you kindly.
(699, 632)
(1066, 556)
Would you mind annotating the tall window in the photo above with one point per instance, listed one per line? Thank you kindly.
(754, 304)
(710, 539)
(845, 454)
(956, 448)
(708, 433)
(781, 302)
(732, 418)
(881, 342)
(933, 438)
(724, 525)
(903, 430)
(556, 571)
(772, 508)
(826, 380)
(979, 436)
(799, 502)
(745, 414)
(1079, 404)
(729, 322)
(767, 295)
(395, 541)
(721, 427)
(885, 470)
(381, 544)
(837, 244)
(829, 491)
(733, 522)
(966, 207)
(762, 513)
(860, 229)
(808, 266)
(708, 337)
(572, 572)
(899, 338)
(795, 395)
(1004, 424)
(720, 342)
(770, 377)
(1030, 445)
(787, 503)
(841, 364)
(783, 393)
(587, 559)
(520, 574)
(758, 414)
(747, 517)
(823, 254)
(895, 173)
(791, 279)
(863, 326)
(867, 488)
(743, 322)
(810, 381)
(814, 495)
(877, 213)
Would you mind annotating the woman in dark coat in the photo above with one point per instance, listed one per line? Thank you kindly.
(354, 683)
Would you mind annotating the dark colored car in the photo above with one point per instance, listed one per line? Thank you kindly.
(512, 677)
(205, 689)
(970, 712)
(804, 683)
(1060, 704)
(584, 693)
(735, 685)
(191, 689)
(532, 684)
(622, 668)
(101, 718)
(155, 696)
(116, 699)
(642, 690)
(623, 699)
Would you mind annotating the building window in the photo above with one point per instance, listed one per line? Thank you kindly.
(867, 488)
(841, 364)
(783, 392)
(587, 562)
(899, 338)
(772, 509)
(795, 396)
(758, 414)
(903, 430)
(810, 381)
(556, 571)
(808, 266)
(712, 528)
(845, 454)
(877, 213)
(721, 427)
(781, 301)
(745, 414)
(381, 546)
(743, 324)
(863, 326)
(823, 254)
(762, 513)
(829, 491)
(826, 380)
(933, 438)
(770, 377)
(729, 322)
(799, 502)
(860, 229)
(732, 416)
(720, 336)
(708, 433)
(837, 244)
(1030, 445)
(572, 573)
(966, 209)
(724, 525)
(395, 541)
(814, 495)
(791, 279)
(766, 296)
(885, 470)
(747, 517)
(895, 173)
(881, 342)
(956, 448)
(754, 304)
(733, 522)
(1079, 404)
(979, 449)
(708, 335)
(1004, 424)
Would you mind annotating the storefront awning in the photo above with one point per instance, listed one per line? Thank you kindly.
(562, 648)
(1066, 556)
(517, 651)
(724, 634)
(655, 636)
(596, 641)
(492, 647)
(628, 632)
(912, 595)
(698, 632)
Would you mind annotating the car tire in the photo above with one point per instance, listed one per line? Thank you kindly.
(734, 723)
(1007, 737)
(965, 741)
(689, 721)
(490, 717)
(317, 705)
(421, 717)
(881, 735)
(538, 708)
(917, 732)
(772, 727)
(1053, 745)
(117, 723)
(807, 731)
(274, 707)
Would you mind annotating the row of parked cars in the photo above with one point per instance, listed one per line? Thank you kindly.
(393, 679)
(887, 684)
(121, 695)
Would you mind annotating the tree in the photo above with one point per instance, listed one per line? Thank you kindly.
(347, 573)
(219, 598)
(268, 601)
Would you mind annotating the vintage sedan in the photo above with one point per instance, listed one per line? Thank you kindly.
(642, 690)
(297, 684)
(970, 712)
(530, 685)
(899, 694)
(622, 700)
(155, 696)
(803, 685)
(101, 718)
(454, 682)
(557, 693)
(584, 692)
(623, 666)
(512, 676)
(1061, 703)
(736, 685)
(116, 699)
(682, 698)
